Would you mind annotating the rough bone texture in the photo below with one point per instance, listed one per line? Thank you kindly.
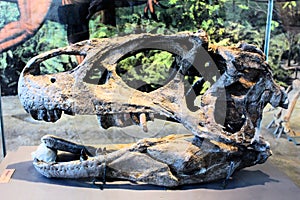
(228, 118)
(170, 161)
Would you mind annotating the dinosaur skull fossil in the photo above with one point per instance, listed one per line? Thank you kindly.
(230, 110)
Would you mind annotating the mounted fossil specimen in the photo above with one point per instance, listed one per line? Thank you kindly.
(224, 127)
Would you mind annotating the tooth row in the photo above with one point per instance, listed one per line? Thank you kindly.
(73, 169)
(46, 115)
(125, 119)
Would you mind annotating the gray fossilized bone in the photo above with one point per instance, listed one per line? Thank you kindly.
(169, 161)
(228, 117)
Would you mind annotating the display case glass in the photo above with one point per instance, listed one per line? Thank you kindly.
(31, 28)
(2, 137)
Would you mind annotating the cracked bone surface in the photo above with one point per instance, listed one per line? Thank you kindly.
(224, 129)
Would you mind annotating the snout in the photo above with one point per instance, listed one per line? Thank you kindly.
(45, 97)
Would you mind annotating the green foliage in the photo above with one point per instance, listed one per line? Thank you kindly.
(13, 13)
(50, 36)
(99, 30)
(149, 67)
(205, 87)
(290, 5)
(278, 45)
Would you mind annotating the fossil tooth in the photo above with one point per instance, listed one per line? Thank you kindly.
(41, 114)
(135, 119)
(52, 115)
(151, 116)
(49, 117)
(57, 114)
(126, 116)
(118, 121)
(143, 122)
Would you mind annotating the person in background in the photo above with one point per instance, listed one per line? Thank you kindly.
(150, 7)
(73, 13)
(33, 13)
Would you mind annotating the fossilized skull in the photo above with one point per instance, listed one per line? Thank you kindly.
(230, 110)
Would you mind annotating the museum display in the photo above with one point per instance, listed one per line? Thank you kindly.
(281, 119)
(224, 126)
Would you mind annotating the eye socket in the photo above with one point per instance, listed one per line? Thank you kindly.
(146, 70)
